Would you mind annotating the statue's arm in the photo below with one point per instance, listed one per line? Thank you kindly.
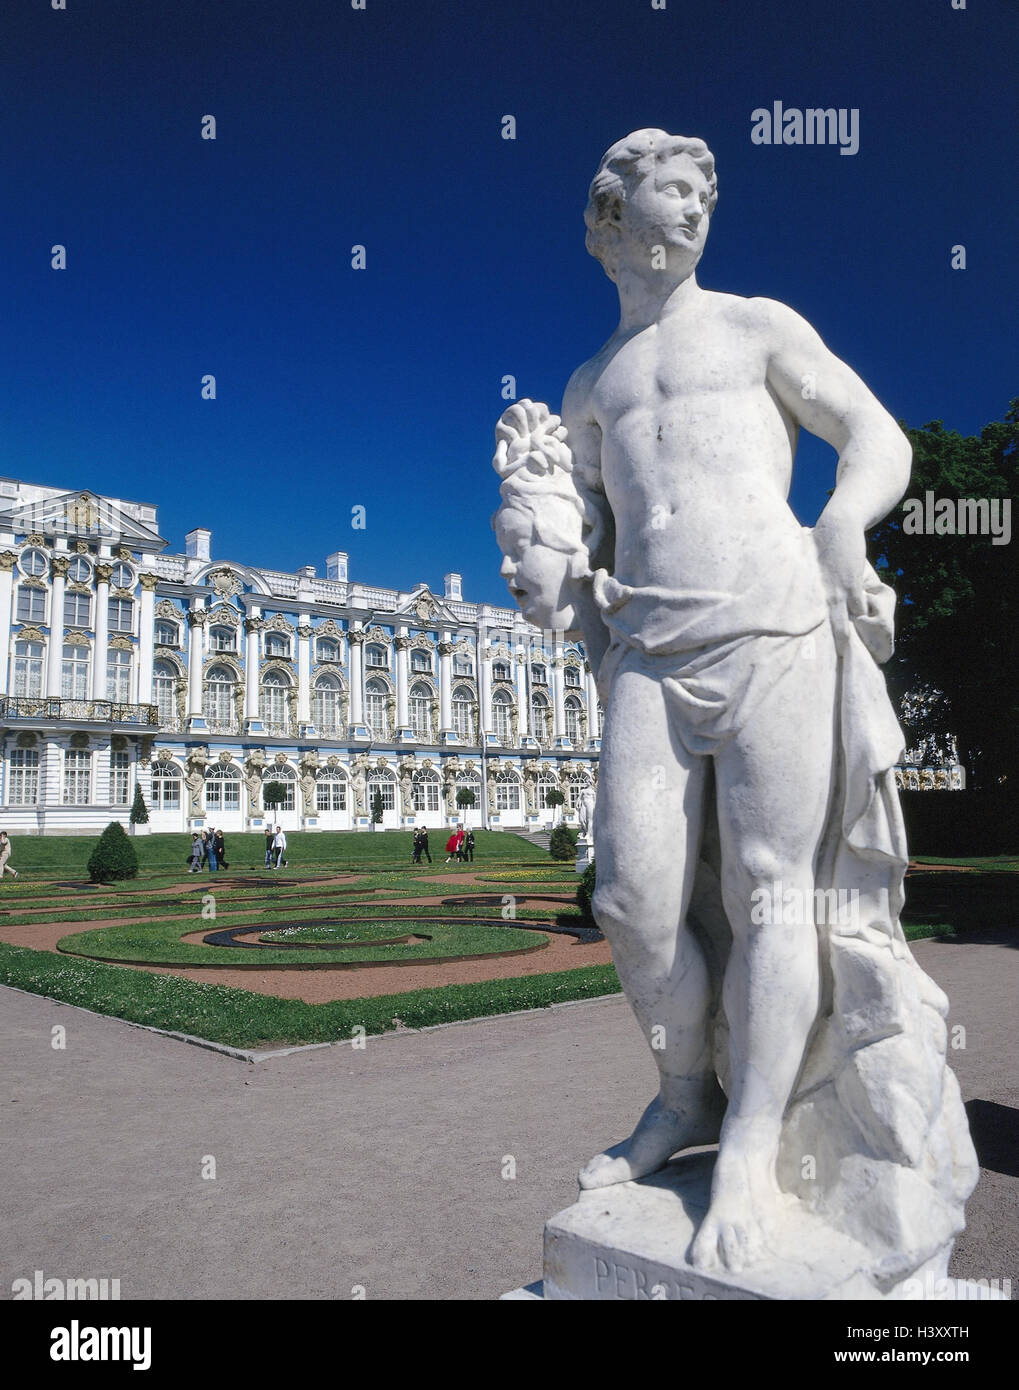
(826, 397)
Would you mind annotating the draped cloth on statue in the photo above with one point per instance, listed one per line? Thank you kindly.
(876, 1111)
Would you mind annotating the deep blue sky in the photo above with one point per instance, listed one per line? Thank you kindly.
(382, 387)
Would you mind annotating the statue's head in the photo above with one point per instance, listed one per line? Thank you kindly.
(652, 189)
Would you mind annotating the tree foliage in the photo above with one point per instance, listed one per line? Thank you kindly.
(113, 857)
(139, 811)
(562, 843)
(957, 639)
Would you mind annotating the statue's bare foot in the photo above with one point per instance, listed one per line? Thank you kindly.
(660, 1133)
(745, 1202)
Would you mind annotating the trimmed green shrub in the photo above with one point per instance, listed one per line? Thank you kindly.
(585, 891)
(273, 794)
(139, 811)
(377, 808)
(113, 857)
(563, 843)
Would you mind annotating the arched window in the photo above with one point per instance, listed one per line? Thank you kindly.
(327, 649)
(571, 714)
(74, 673)
(331, 792)
(277, 645)
(546, 783)
(507, 791)
(380, 782)
(540, 722)
(426, 790)
(274, 701)
(502, 706)
(421, 712)
(166, 782)
(420, 660)
(325, 705)
(539, 674)
(376, 712)
(578, 781)
(167, 634)
(463, 713)
(376, 656)
(222, 639)
(223, 789)
(164, 690)
(118, 676)
(218, 701)
(288, 777)
(28, 668)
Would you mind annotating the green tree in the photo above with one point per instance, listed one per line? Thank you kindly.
(957, 639)
(273, 794)
(554, 798)
(562, 843)
(465, 798)
(139, 811)
(377, 811)
(113, 856)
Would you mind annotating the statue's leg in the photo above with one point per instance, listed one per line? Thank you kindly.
(647, 831)
(774, 784)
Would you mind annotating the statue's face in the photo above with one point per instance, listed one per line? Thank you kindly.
(669, 207)
(537, 575)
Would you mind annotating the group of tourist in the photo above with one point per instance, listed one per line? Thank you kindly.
(460, 846)
(275, 848)
(209, 847)
(420, 846)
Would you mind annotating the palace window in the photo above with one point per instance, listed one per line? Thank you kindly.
(421, 712)
(120, 778)
(79, 570)
(540, 726)
(571, 714)
(274, 699)
(218, 696)
(34, 562)
(325, 705)
(118, 676)
(287, 777)
(420, 660)
(328, 650)
(546, 783)
(330, 794)
(467, 781)
(77, 610)
(377, 656)
(164, 689)
(28, 668)
(31, 604)
(463, 666)
(578, 781)
(463, 713)
(572, 676)
(376, 711)
(167, 634)
(23, 783)
(507, 792)
(502, 706)
(166, 782)
(277, 645)
(77, 777)
(222, 639)
(539, 674)
(500, 671)
(121, 611)
(387, 787)
(426, 791)
(74, 673)
(223, 789)
(123, 577)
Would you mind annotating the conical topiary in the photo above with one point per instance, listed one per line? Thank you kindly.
(113, 857)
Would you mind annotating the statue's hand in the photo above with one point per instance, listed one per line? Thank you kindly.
(529, 434)
(842, 550)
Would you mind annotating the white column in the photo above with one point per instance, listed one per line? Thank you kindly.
(102, 646)
(593, 723)
(146, 637)
(355, 648)
(485, 682)
(7, 559)
(196, 632)
(252, 627)
(557, 693)
(55, 649)
(303, 674)
(445, 685)
(523, 706)
(402, 698)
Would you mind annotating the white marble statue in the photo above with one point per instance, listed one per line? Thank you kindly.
(750, 846)
(585, 811)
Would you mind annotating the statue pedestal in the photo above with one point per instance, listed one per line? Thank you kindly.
(585, 853)
(631, 1242)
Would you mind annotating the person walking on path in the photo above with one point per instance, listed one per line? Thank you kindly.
(415, 857)
(424, 845)
(219, 849)
(210, 852)
(452, 845)
(468, 847)
(195, 861)
(269, 838)
(279, 844)
(5, 854)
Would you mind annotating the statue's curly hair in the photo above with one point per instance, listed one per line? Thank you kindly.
(621, 165)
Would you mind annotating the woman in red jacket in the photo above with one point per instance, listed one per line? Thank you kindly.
(453, 845)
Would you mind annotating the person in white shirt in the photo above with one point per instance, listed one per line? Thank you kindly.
(279, 844)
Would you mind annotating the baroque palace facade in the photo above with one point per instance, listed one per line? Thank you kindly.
(199, 681)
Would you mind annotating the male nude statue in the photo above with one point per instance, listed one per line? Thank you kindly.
(723, 619)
